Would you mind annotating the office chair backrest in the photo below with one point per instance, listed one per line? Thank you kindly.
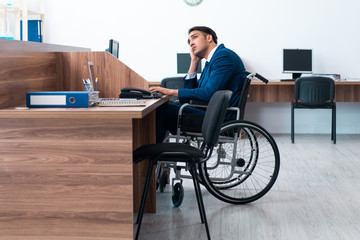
(314, 90)
(173, 82)
(214, 116)
(243, 97)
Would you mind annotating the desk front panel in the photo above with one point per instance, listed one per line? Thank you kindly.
(66, 178)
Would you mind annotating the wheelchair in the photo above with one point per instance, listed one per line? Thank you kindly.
(244, 164)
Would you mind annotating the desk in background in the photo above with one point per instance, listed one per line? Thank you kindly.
(277, 91)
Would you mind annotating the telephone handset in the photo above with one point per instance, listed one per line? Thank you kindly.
(138, 93)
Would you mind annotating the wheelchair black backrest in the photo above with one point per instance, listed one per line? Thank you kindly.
(243, 97)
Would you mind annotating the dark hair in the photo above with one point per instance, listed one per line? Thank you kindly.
(205, 30)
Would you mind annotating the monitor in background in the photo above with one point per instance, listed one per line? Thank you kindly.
(297, 61)
(114, 47)
(183, 63)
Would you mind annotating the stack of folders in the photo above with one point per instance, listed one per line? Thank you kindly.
(120, 102)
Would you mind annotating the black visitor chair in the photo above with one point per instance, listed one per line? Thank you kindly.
(314, 93)
(179, 152)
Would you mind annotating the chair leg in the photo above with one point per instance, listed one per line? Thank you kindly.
(292, 123)
(143, 197)
(196, 194)
(199, 199)
(333, 130)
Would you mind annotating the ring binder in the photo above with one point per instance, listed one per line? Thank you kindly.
(61, 99)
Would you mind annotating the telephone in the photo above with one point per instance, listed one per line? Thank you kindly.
(138, 93)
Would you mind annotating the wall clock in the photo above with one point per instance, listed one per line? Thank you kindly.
(193, 2)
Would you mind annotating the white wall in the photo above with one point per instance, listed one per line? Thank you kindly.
(152, 32)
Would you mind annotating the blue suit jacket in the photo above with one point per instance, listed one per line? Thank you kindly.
(225, 71)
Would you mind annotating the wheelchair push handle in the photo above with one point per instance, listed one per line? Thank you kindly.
(257, 76)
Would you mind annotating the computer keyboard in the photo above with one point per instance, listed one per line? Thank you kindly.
(120, 102)
(152, 95)
(287, 80)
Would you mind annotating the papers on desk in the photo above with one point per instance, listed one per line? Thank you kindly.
(352, 79)
(334, 77)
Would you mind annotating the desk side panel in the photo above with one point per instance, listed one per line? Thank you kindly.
(144, 133)
(66, 178)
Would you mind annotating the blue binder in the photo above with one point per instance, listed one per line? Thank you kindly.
(34, 31)
(58, 99)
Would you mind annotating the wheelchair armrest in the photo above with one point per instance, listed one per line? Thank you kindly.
(235, 109)
(197, 102)
(205, 106)
(189, 105)
(185, 105)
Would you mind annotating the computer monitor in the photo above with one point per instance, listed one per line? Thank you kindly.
(183, 63)
(297, 61)
(114, 47)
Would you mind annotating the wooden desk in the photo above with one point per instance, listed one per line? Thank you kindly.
(68, 173)
(277, 91)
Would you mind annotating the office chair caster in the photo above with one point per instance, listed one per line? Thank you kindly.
(178, 195)
(178, 189)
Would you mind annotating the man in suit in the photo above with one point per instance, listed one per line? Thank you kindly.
(223, 70)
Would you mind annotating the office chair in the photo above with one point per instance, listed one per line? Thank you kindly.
(179, 152)
(314, 93)
(173, 83)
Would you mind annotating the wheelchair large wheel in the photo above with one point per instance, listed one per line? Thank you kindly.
(244, 166)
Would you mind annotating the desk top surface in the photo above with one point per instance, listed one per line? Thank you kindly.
(104, 112)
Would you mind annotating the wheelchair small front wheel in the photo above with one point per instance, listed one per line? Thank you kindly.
(163, 181)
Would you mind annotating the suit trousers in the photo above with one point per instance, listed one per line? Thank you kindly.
(167, 117)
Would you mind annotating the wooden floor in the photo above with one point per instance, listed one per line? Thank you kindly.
(316, 196)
